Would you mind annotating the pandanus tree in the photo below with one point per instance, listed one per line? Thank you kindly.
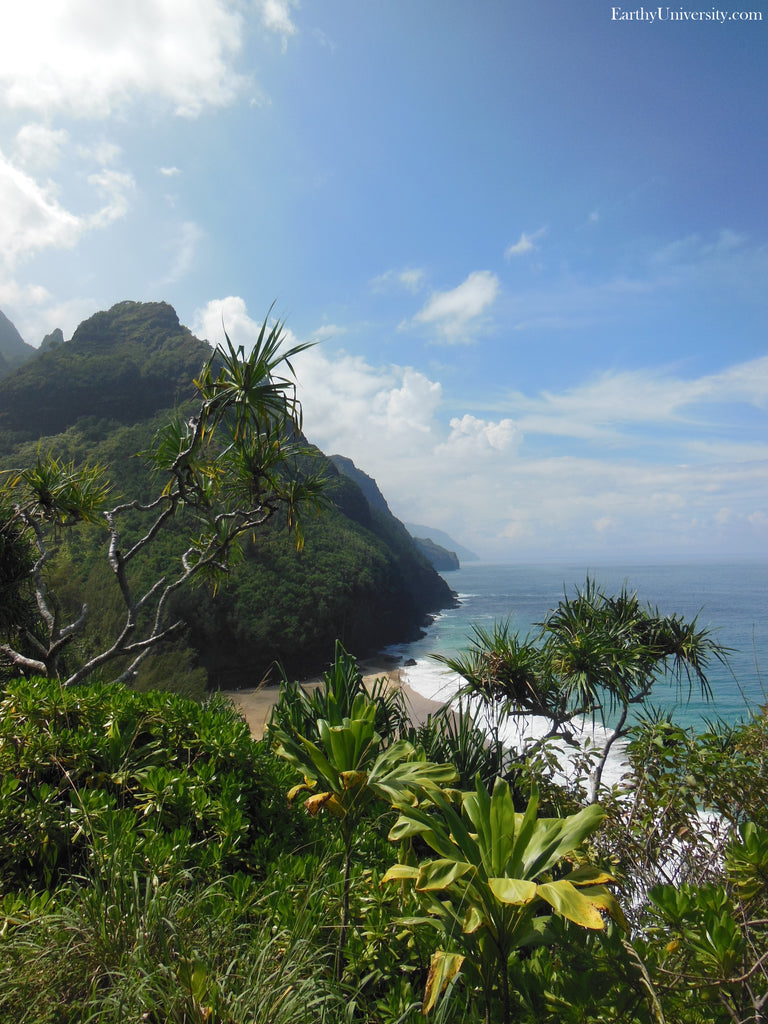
(497, 878)
(237, 461)
(595, 656)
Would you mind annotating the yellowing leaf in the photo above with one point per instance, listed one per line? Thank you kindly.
(400, 872)
(513, 890)
(571, 903)
(351, 779)
(442, 969)
(324, 801)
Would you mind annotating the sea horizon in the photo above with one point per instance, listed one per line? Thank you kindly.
(728, 596)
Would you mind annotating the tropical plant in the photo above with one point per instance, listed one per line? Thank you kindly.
(595, 656)
(231, 467)
(496, 881)
(346, 767)
(300, 708)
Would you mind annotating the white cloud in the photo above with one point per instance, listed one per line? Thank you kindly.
(230, 315)
(169, 172)
(86, 58)
(411, 278)
(38, 147)
(102, 153)
(31, 217)
(114, 187)
(472, 436)
(456, 311)
(276, 16)
(525, 244)
(184, 249)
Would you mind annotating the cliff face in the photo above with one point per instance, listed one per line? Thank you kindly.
(439, 558)
(360, 577)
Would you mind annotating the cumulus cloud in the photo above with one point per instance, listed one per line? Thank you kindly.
(87, 59)
(229, 314)
(472, 436)
(456, 311)
(31, 216)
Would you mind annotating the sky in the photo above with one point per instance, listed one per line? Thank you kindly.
(530, 239)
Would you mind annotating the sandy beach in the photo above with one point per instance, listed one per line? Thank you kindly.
(256, 704)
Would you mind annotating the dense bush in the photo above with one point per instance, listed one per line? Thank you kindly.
(83, 766)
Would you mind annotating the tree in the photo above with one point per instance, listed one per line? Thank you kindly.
(234, 464)
(596, 656)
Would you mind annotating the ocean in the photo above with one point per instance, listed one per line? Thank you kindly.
(731, 599)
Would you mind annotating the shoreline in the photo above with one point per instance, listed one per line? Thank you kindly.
(255, 704)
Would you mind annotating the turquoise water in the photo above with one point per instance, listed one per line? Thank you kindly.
(729, 598)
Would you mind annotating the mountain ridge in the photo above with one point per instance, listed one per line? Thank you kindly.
(360, 578)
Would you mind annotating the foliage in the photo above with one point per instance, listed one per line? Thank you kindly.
(347, 765)
(85, 766)
(300, 708)
(121, 365)
(491, 890)
(457, 734)
(230, 468)
(164, 952)
(358, 578)
(595, 656)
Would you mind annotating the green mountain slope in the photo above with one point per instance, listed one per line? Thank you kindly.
(123, 365)
(101, 397)
(13, 349)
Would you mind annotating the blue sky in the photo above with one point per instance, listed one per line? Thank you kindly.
(530, 239)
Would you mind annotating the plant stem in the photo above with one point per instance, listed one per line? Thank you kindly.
(339, 964)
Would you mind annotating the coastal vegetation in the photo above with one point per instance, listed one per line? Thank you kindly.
(159, 864)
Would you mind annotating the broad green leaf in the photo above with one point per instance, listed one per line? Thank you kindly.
(440, 874)
(473, 920)
(567, 900)
(502, 827)
(442, 969)
(552, 838)
(589, 874)
(513, 890)
(406, 828)
(400, 873)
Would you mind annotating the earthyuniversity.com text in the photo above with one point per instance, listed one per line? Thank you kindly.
(651, 14)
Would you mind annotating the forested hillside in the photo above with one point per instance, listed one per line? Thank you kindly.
(101, 398)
